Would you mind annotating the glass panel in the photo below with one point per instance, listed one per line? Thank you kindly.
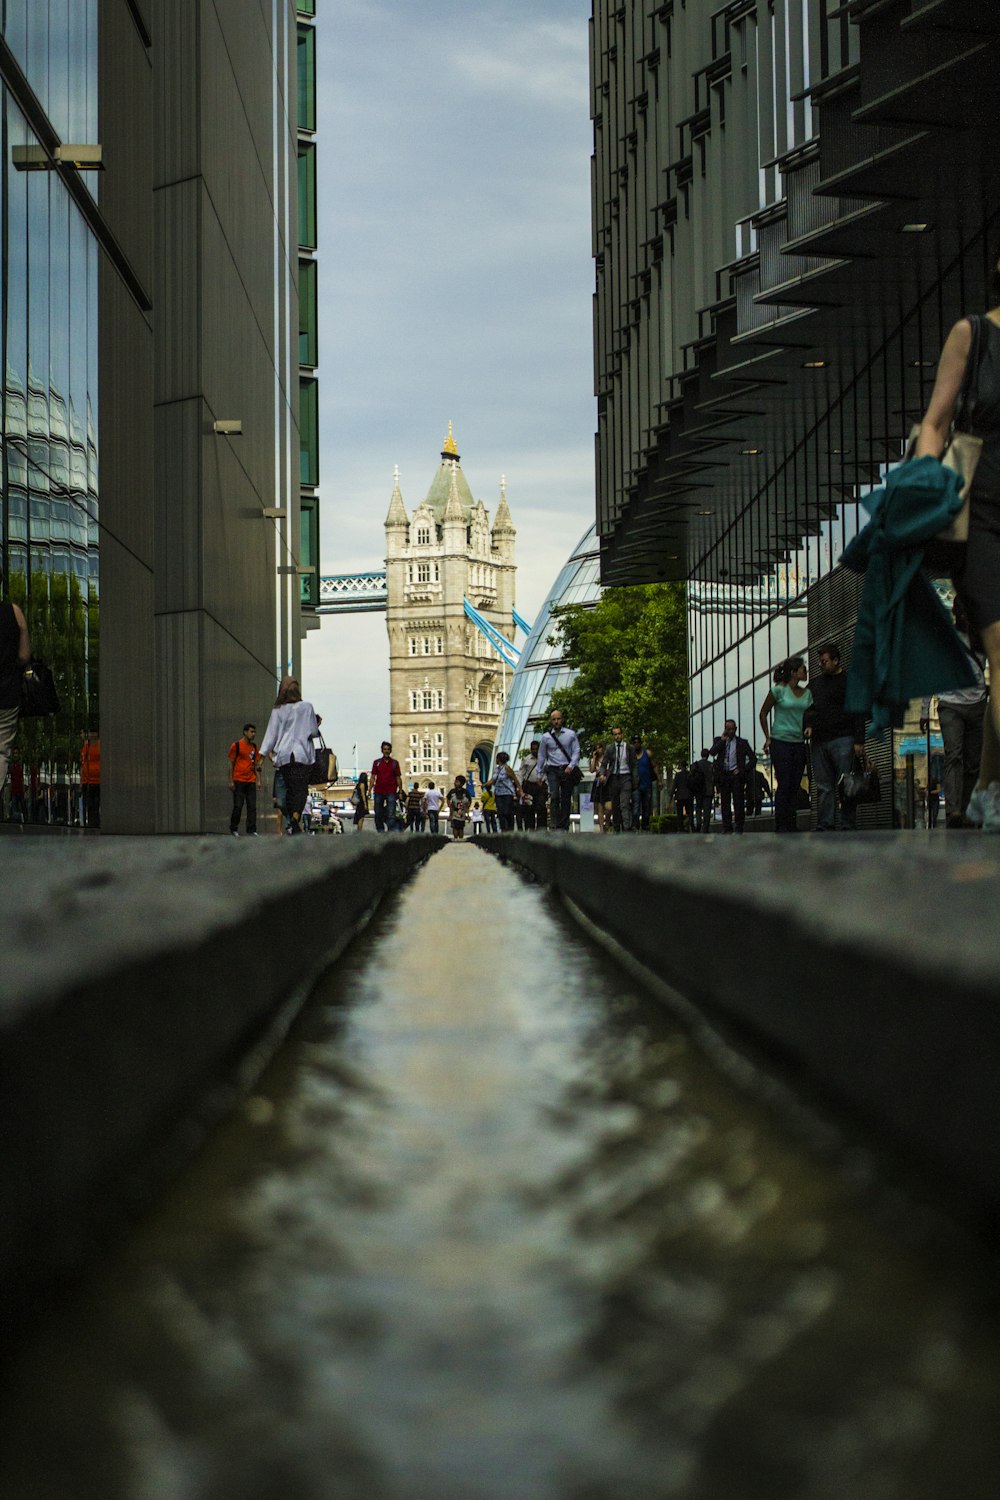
(309, 549)
(308, 315)
(307, 196)
(308, 432)
(307, 77)
(306, 7)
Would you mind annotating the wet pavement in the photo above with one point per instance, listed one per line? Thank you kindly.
(493, 1228)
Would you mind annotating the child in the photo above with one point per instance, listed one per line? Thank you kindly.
(477, 820)
(458, 808)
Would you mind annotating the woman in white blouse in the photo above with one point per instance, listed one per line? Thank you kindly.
(288, 741)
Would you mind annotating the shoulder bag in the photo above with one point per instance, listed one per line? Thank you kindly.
(324, 766)
(860, 784)
(38, 691)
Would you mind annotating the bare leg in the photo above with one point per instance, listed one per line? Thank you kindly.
(989, 765)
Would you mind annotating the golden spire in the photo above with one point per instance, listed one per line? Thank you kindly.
(450, 446)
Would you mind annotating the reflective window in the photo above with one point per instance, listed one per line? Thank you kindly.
(307, 195)
(307, 77)
(308, 315)
(308, 432)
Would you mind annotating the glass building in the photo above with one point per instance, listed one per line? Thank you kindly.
(308, 305)
(542, 669)
(792, 204)
(49, 502)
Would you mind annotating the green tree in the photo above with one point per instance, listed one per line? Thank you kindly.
(630, 654)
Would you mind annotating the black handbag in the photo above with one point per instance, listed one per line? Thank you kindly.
(324, 766)
(38, 691)
(860, 784)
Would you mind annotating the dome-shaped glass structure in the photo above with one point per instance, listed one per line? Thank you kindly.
(542, 669)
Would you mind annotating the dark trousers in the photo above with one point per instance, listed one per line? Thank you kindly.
(645, 807)
(732, 797)
(296, 789)
(619, 794)
(92, 805)
(244, 792)
(534, 810)
(789, 762)
(560, 797)
(505, 812)
(703, 812)
(962, 732)
(830, 760)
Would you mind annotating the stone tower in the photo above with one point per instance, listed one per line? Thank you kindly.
(446, 682)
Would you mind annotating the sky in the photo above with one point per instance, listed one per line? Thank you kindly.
(456, 284)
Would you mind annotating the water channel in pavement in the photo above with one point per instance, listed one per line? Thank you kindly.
(492, 1227)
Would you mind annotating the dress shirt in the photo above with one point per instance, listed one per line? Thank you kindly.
(730, 762)
(289, 732)
(558, 753)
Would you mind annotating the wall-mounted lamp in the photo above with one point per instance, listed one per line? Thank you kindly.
(914, 228)
(815, 364)
(228, 427)
(750, 452)
(84, 158)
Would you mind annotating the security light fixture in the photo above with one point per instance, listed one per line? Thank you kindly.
(228, 427)
(815, 364)
(922, 364)
(706, 513)
(750, 452)
(914, 228)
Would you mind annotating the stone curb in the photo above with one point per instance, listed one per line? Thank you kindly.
(137, 976)
(867, 966)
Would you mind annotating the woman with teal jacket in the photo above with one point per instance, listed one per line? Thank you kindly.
(789, 698)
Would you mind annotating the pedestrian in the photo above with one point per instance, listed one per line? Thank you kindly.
(559, 762)
(90, 778)
(619, 770)
(682, 793)
(359, 801)
(788, 699)
(733, 756)
(17, 809)
(433, 797)
(534, 791)
(599, 794)
(415, 808)
(703, 787)
(647, 776)
(835, 738)
(961, 715)
(490, 811)
(976, 573)
(476, 818)
(15, 655)
(244, 774)
(387, 787)
(288, 740)
(458, 808)
(506, 788)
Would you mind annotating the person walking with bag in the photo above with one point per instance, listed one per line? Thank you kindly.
(15, 655)
(244, 774)
(506, 789)
(359, 801)
(836, 738)
(559, 761)
(788, 699)
(288, 740)
(966, 399)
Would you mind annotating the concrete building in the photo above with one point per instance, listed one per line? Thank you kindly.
(447, 682)
(150, 314)
(792, 205)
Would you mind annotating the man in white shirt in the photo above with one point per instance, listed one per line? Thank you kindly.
(433, 798)
(559, 762)
(619, 768)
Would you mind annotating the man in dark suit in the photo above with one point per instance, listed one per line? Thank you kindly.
(621, 776)
(733, 759)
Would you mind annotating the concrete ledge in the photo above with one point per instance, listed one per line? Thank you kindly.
(137, 975)
(868, 966)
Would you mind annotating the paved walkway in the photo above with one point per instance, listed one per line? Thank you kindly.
(491, 1228)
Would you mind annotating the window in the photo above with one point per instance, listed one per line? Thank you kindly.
(423, 572)
(306, 7)
(437, 573)
(309, 549)
(426, 645)
(413, 739)
(439, 646)
(308, 320)
(439, 738)
(428, 698)
(413, 645)
(439, 698)
(307, 195)
(308, 432)
(307, 77)
(423, 536)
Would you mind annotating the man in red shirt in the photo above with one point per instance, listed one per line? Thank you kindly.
(90, 778)
(386, 785)
(244, 773)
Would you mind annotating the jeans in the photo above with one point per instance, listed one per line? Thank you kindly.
(830, 759)
(962, 732)
(385, 811)
(432, 821)
(732, 796)
(505, 812)
(244, 792)
(789, 761)
(560, 797)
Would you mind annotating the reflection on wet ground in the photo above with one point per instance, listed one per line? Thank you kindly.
(491, 1228)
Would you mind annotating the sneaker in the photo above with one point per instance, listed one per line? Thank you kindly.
(990, 806)
(234, 833)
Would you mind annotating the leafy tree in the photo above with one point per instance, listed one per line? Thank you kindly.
(630, 653)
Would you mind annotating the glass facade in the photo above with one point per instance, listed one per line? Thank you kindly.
(49, 475)
(307, 195)
(309, 548)
(308, 316)
(307, 77)
(542, 669)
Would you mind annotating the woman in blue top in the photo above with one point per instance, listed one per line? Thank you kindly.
(505, 788)
(789, 698)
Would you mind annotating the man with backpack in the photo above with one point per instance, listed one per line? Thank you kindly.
(244, 774)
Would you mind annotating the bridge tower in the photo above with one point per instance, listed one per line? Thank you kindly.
(446, 682)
